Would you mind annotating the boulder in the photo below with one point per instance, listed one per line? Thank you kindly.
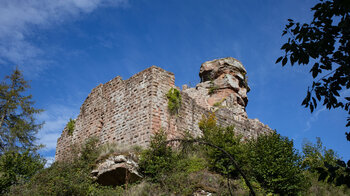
(117, 170)
(223, 85)
(211, 70)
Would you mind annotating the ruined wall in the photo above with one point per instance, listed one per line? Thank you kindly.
(128, 112)
(121, 111)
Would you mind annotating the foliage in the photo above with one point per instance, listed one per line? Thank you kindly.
(212, 88)
(275, 164)
(269, 159)
(18, 167)
(326, 164)
(174, 100)
(218, 104)
(316, 154)
(323, 188)
(326, 40)
(70, 126)
(178, 171)
(226, 139)
(17, 122)
(158, 159)
(67, 178)
(338, 173)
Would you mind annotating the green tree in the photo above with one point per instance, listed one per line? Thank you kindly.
(276, 165)
(158, 159)
(324, 43)
(226, 139)
(16, 167)
(17, 123)
(316, 154)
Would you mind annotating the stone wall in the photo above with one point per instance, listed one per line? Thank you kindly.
(121, 111)
(128, 112)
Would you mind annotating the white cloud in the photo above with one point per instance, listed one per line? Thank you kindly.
(19, 19)
(49, 161)
(55, 117)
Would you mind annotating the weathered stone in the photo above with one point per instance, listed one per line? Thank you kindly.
(117, 170)
(211, 70)
(128, 112)
(226, 86)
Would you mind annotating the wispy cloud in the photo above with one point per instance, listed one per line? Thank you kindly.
(55, 117)
(313, 118)
(20, 18)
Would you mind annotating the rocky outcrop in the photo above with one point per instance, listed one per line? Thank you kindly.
(223, 84)
(117, 170)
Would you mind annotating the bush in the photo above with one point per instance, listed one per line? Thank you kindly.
(158, 159)
(16, 167)
(176, 170)
(212, 88)
(316, 154)
(174, 100)
(70, 126)
(67, 178)
(276, 165)
(226, 139)
(326, 164)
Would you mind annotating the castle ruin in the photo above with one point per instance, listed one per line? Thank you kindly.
(128, 112)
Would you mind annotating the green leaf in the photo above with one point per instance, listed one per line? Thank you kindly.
(311, 107)
(284, 62)
(279, 59)
(314, 101)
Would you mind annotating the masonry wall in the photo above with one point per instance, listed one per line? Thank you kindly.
(120, 111)
(128, 112)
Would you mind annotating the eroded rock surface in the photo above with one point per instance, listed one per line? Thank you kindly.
(223, 84)
(117, 170)
(128, 112)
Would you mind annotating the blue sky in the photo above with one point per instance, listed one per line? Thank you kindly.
(68, 47)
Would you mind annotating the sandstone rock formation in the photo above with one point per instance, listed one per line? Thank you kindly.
(128, 112)
(223, 84)
(117, 170)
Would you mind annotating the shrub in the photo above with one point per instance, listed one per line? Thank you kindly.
(67, 178)
(339, 174)
(174, 100)
(212, 88)
(158, 159)
(226, 139)
(16, 167)
(276, 165)
(70, 126)
(314, 155)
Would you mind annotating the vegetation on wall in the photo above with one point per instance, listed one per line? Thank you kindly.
(212, 88)
(174, 100)
(71, 126)
(218, 104)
